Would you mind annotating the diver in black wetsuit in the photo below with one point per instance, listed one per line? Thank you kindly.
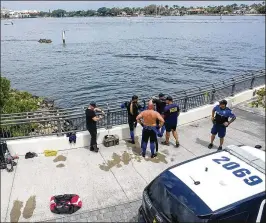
(160, 105)
(133, 108)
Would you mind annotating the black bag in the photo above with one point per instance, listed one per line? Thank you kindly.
(3, 150)
(6, 162)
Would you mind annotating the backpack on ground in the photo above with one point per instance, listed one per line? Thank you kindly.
(65, 204)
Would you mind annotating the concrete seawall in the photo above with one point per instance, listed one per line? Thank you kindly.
(39, 144)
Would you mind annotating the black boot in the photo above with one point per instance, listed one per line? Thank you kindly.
(95, 148)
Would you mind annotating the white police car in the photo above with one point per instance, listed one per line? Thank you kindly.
(227, 185)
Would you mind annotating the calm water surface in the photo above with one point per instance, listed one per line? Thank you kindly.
(113, 58)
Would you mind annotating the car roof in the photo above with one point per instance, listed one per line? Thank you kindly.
(219, 187)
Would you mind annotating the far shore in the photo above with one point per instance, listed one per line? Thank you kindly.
(223, 15)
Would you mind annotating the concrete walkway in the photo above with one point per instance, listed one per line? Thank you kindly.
(110, 183)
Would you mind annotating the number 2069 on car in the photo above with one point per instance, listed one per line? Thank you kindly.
(236, 169)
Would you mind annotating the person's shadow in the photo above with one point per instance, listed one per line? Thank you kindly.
(204, 143)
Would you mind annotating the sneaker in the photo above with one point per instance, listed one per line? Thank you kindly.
(143, 155)
(165, 143)
(210, 145)
(153, 155)
(91, 149)
(96, 150)
(220, 148)
(177, 144)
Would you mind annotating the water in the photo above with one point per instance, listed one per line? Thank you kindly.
(107, 59)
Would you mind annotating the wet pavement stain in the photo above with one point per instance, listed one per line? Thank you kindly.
(134, 147)
(16, 211)
(60, 165)
(60, 158)
(116, 159)
(29, 207)
(160, 158)
(126, 157)
(165, 151)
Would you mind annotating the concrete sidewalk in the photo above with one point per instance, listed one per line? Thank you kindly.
(110, 183)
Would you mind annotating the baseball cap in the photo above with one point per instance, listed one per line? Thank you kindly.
(169, 98)
(161, 95)
(93, 103)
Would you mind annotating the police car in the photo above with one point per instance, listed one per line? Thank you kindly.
(227, 185)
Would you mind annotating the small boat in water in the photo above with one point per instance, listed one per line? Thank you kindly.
(45, 41)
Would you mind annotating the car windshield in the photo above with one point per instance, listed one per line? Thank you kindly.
(168, 205)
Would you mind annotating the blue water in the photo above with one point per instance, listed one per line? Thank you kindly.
(107, 59)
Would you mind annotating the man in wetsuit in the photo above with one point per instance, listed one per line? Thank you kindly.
(220, 122)
(91, 120)
(133, 108)
(160, 105)
(171, 113)
(148, 119)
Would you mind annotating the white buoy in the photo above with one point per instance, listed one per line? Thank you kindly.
(63, 37)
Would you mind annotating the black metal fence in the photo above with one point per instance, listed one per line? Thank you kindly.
(61, 121)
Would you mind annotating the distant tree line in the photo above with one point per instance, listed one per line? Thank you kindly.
(155, 10)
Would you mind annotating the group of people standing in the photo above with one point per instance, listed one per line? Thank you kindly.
(160, 115)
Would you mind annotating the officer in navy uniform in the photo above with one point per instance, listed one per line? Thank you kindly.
(171, 113)
(220, 122)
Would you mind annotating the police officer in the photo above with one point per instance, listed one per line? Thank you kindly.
(171, 113)
(220, 122)
(133, 108)
(91, 120)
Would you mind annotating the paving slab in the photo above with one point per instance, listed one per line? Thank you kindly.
(80, 175)
(118, 160)
(6, 189)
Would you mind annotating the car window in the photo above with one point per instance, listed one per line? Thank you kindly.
(241, 217)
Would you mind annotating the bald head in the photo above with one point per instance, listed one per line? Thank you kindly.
(150, 105)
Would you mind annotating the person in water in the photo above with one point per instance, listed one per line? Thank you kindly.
(148, 120)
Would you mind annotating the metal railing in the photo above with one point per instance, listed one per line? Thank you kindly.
(61, 121)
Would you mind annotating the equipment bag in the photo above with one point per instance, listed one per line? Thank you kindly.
(6, 160)
(110, 140)
(65, 204)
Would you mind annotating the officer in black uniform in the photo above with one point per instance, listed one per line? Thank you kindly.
(91, 120)
(133, 108)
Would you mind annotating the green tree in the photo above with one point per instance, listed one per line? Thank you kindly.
(58, 13)
(103, 11)
(4, 91)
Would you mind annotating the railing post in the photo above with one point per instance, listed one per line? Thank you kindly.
(212, 95)
(185, 102)
(59, 127)
(252, 82)
(109, 126)
(233, 87)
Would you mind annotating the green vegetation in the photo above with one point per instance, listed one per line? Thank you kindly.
(14, 101)
(165, 10)
(260, 100)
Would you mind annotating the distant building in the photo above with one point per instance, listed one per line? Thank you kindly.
(195, 11)
(4, 13)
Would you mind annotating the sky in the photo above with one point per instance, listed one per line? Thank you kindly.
(85, 5)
